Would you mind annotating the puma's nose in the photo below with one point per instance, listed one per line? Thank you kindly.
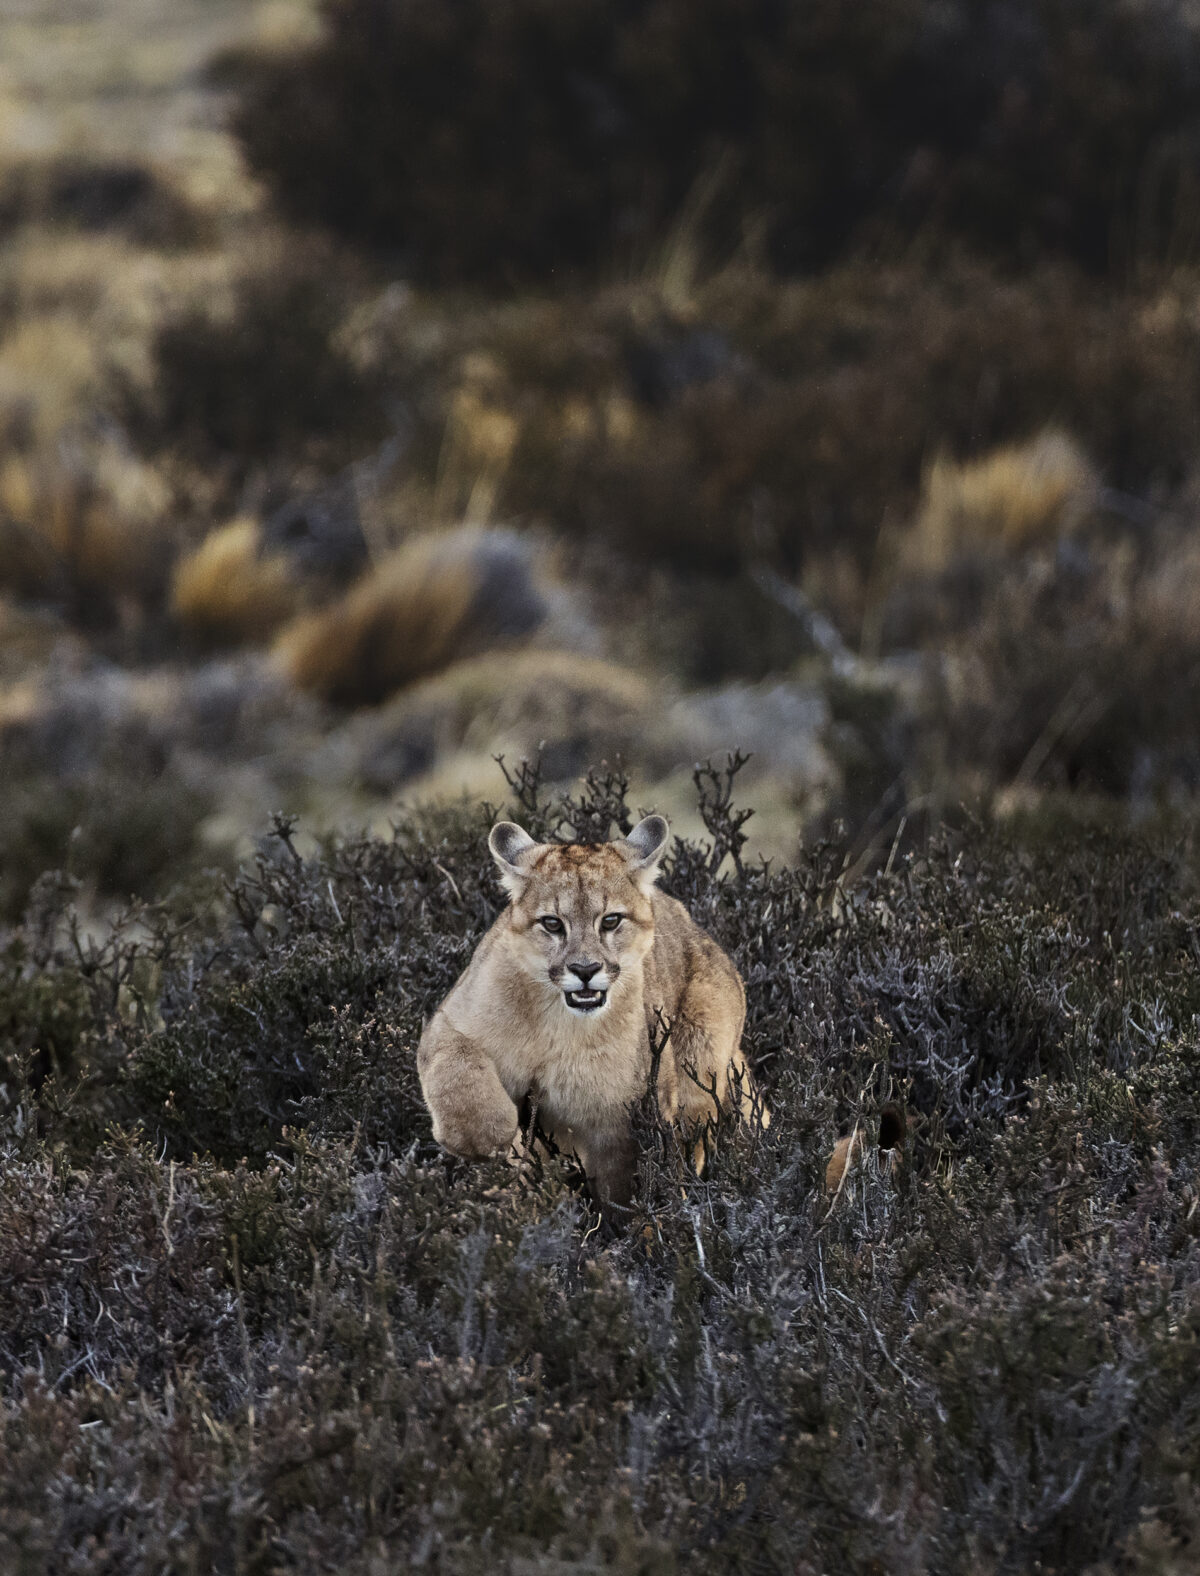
(584, 972)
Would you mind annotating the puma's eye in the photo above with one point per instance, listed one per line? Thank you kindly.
(611, 921)
(551, 923)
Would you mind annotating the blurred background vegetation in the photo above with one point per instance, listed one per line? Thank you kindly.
(387, 385)
(815, 379)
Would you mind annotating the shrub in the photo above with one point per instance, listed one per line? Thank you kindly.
(576, 133)
(579, 705)
(348, 1347)
(830, 399)
(121, 828)
(82, 525)
(97, 195)
(1020, 496)
(1078, 673)
(266, 375)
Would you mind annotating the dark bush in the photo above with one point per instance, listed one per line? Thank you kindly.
(266, 377)
(122, 829)
(491, 142)
(98, 196)
(1079, 672)
(813, 425)
(348, 1348)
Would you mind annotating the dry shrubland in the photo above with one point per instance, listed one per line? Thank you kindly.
(260, 370)
(419, 384)
(82, 523)
(95, 196)
(322, 1339)
(1016, 497)
(787, 421)
(432, 600)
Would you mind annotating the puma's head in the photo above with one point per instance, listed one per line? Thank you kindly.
(581, 912)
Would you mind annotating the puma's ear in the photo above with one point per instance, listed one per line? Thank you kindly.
(510, 846)
(644, 848)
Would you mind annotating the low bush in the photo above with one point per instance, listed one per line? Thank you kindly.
(571, 707)
(253, 1318)
(232, 589)
(98, 196)
(265, 373)
(576, 135)
(1024, 495)
(121, 828)
(1072, 671)
(791, 421)
(82, 526)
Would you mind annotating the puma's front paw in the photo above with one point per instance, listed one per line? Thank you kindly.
(478, 1131)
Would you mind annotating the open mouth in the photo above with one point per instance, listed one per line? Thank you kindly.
(585, 1000)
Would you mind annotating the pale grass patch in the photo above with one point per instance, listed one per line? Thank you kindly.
(82, 516)
(227, 592)
(1016, 497)
(124, 79)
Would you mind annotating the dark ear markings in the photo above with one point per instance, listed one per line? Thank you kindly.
(508, 842)
(647, 843)
(510, 847)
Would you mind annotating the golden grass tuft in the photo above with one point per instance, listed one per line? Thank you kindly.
(227, 592)
(480, 438)
(50, 373)
(415, 612)
(1014, 498)
(82, 523)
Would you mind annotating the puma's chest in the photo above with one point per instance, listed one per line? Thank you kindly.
(577, 1074)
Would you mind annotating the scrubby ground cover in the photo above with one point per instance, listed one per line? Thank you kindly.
(645, 381)
(252, 1320)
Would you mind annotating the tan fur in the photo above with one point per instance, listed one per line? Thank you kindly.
(505, 1031)
(891, 1149)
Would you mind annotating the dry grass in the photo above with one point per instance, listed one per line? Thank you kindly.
(123, 79)
(793, 420)
(545, 690)
(228, 592)
(82, 523)
(1019, 496)
(77, 316)
(434, 599)
(478, 445)
(442, 733)
(1079, 675)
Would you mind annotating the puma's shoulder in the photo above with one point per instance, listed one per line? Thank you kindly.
(685, 955)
